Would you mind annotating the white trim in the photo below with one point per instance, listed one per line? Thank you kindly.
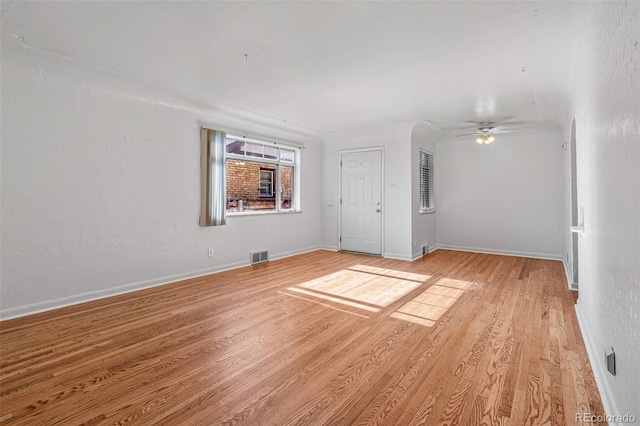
(36, 308)
(569, 273)
(419, 254)
(416, 256)
(261, 213)
(261, 141)
(329, 248)
(595, 358)
(545, 256)
(397, 256)
(577, 229)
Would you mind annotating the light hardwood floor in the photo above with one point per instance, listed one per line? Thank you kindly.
(322, 338)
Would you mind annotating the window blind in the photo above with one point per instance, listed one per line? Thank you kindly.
(426, 182)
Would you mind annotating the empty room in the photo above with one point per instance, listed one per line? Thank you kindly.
(320, 213)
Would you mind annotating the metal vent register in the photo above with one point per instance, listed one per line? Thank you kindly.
(259, 257)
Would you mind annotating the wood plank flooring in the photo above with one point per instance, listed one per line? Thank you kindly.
(317, 339)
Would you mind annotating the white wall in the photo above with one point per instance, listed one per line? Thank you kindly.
(507, 197)
(101, 186)
(607, 110)
(396, 142)
(423, 225)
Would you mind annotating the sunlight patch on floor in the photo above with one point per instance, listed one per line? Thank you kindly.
(450, 282)
(390, 273)
(364, 287)
(334, 299)
(413, 319)
(426, 308)
(327, 305)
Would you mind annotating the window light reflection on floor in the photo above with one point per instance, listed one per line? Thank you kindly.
(426, 308)
(370, 289)
(363, 287)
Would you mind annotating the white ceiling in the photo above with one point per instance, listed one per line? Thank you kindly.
(328, 66)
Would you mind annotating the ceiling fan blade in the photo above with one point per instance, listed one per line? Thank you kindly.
(461, 130)
(499, 129)
(518, 123)
(461, 135)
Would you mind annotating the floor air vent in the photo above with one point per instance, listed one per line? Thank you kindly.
(259, 257)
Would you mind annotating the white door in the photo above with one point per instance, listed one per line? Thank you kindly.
(361, 201)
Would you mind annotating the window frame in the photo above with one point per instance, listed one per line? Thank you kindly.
(276, 179)
(268, 181)
(426, 186)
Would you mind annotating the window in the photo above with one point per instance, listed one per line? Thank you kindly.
(266, 183)
(427, 202)
(260, 176)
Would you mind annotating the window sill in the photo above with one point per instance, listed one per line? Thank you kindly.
(427, 211)
(241, 214)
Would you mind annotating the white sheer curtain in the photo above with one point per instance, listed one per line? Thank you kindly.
(213, 184)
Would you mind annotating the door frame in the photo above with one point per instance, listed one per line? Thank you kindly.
(575, 209)
(382, 192)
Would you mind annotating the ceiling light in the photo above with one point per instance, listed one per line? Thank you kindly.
(485, 138)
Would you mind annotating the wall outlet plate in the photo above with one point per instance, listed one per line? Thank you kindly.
(610, 361)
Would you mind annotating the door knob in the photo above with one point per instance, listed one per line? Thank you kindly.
(377, 210)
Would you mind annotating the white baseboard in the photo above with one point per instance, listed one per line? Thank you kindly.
(330, 248)
(532, 255)
(597, 365)
(36, 308)
(569, 273)
(419, 254)
(397, 256)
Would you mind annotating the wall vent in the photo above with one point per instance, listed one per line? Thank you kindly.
(259, 257)
(425, 249)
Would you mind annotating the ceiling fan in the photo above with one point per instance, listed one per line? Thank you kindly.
(485, 133)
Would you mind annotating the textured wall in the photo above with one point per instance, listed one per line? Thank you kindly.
(607, 111)
(507, 197)
(101, 186)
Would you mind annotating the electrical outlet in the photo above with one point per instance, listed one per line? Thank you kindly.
(610, 361)
(210, 252)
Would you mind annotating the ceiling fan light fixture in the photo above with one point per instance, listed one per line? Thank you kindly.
(485, 138)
